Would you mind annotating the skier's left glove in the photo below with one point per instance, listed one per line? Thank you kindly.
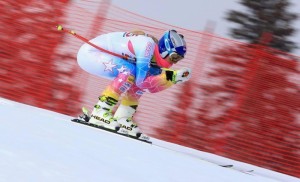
(178, 76)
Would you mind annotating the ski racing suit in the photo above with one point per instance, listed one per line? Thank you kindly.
(132, 78)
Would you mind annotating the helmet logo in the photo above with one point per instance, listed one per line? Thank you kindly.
(173, 41)
(167, 45)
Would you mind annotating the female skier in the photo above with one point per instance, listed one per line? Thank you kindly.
(147, 70)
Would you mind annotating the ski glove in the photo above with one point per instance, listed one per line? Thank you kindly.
(177, 76)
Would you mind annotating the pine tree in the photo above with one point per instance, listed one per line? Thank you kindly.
(179, 118)
(264, 16)
(252, 108)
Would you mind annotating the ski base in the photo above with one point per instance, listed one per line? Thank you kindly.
(106, 129)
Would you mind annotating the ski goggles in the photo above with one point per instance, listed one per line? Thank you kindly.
(175, 57)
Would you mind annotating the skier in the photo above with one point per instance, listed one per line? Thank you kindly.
(146, 71)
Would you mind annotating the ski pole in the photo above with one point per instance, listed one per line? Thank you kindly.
(60, 28)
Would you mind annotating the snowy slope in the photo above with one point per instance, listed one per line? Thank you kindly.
(39, 146)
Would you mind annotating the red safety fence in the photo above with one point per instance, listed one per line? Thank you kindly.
(242, 102)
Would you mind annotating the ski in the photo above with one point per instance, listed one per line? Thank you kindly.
(227, 166)
(240, 170)
(106, 129)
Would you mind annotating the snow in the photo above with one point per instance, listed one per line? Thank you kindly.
(39, 145)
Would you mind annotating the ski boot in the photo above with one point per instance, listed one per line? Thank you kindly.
(127, 126)
(131, 128)
(102, 114)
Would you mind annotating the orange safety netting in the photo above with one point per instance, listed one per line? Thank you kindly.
(242, 102)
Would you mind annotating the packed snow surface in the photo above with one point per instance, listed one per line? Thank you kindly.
(37, 145)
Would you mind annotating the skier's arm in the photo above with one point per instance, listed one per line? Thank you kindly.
(142, 68)
(143, 59)
(166, 79)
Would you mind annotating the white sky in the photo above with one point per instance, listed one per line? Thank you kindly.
(195, 14)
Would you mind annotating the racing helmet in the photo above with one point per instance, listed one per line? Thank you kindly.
(172, 42)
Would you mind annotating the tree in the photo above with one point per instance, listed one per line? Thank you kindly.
(30, 70)
(247, 111)
(263, 16)
(179, 117)
(251, 114)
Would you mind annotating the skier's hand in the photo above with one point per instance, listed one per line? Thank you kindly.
(178, 76)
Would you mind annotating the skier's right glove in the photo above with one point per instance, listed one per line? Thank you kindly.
(177, 76)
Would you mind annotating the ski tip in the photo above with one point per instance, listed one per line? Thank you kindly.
(75, 120)
(59, 27)
(229, 165)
